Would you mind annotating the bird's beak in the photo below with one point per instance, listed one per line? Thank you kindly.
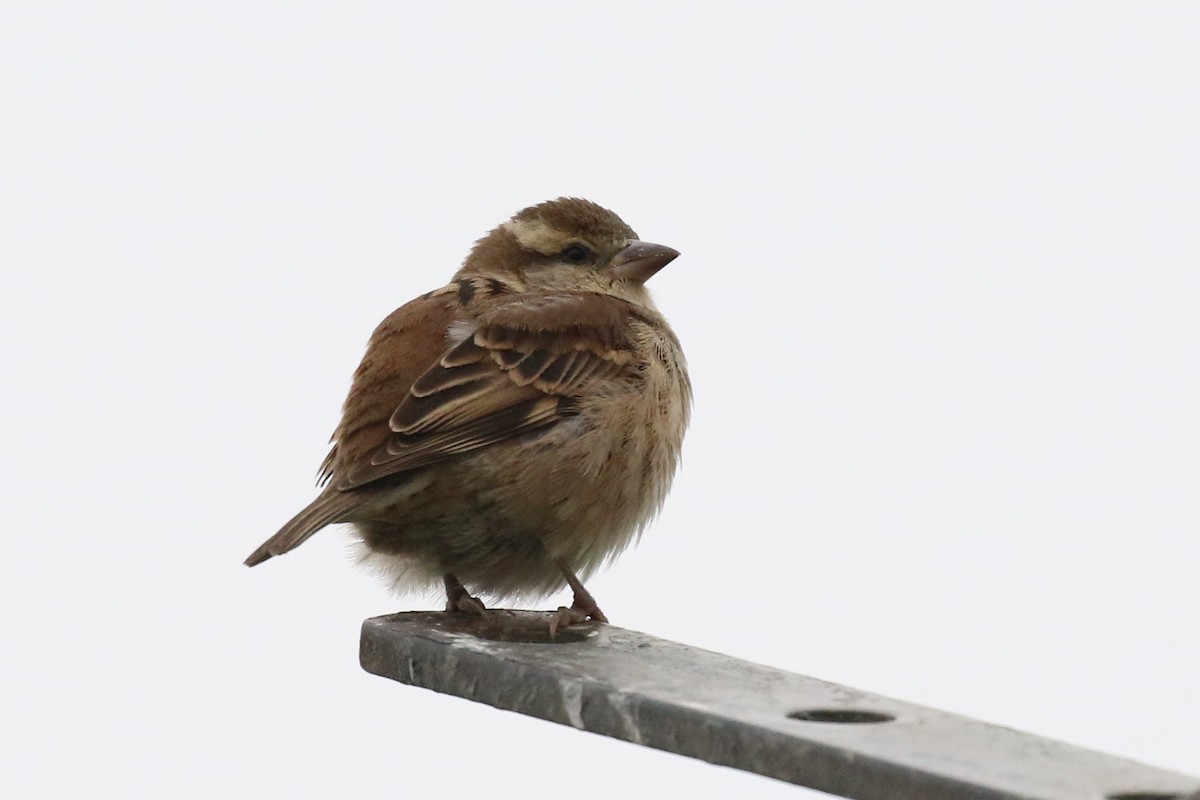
(640, 260)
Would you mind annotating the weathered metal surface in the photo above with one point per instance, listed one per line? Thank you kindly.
(727, 711)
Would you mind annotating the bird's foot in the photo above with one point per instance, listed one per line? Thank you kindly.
(460, 600)
(466, 605)
(580, 611)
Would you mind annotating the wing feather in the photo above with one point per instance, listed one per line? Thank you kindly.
(520, 370)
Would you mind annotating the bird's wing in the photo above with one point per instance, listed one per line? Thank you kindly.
(522, 366)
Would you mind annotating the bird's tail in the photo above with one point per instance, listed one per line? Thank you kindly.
(324, 510)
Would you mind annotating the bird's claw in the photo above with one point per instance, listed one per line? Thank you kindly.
(577, 613)
(466, 604)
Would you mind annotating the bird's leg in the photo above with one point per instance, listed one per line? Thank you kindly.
(582, 609)
(584, 602)
(459, 599)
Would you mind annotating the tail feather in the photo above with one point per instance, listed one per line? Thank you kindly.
(323, 511)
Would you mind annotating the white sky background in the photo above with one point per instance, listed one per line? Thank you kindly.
(939, 291)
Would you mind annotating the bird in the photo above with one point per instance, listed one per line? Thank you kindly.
(517, 428)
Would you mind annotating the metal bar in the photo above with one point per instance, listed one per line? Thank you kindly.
(697, 703)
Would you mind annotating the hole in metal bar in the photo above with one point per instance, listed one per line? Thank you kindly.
(843, 716)
(1142, 796)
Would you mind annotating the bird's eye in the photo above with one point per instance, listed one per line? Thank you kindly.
(576, 253)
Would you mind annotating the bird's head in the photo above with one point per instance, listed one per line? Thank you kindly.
(568, 244)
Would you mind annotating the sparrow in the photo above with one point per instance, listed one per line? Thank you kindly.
(516, 428)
